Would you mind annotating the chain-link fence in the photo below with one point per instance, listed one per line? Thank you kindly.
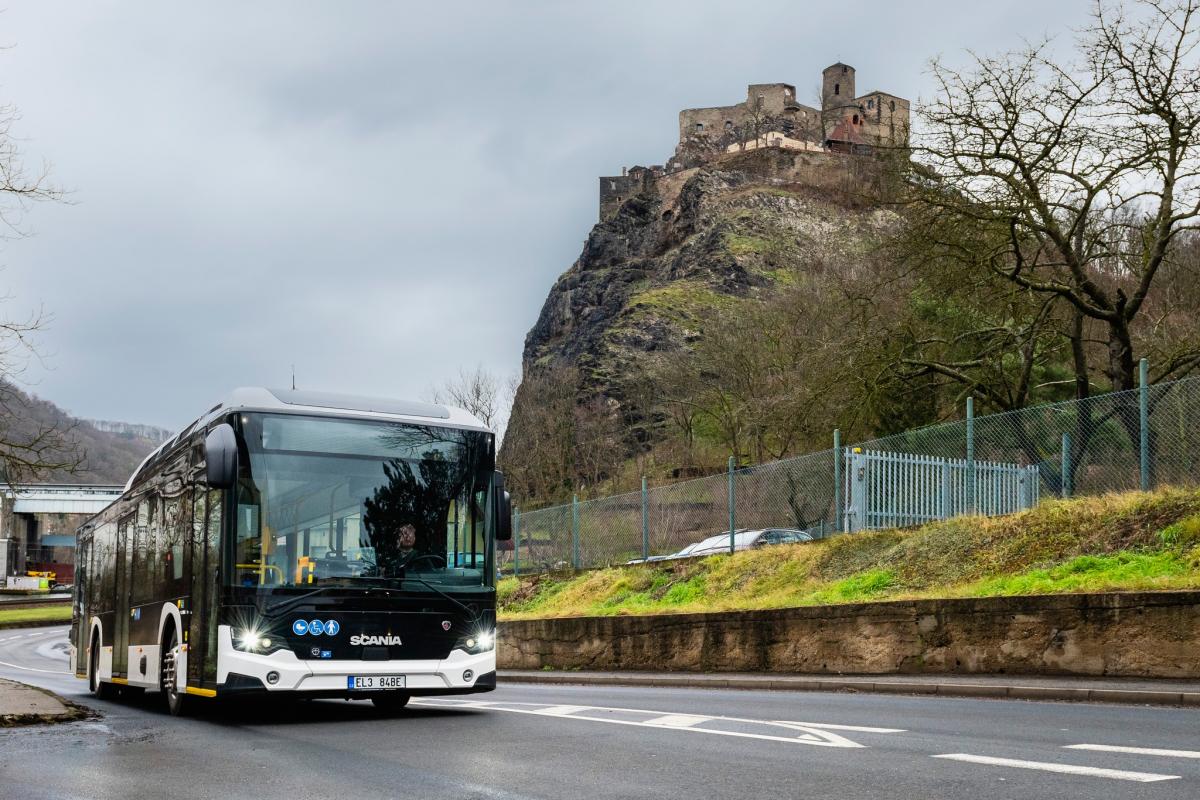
(1141, 438)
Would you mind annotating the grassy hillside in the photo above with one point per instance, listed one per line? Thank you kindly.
(1133, 541)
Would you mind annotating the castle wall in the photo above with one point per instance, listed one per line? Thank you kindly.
(887, 118)
(770, 119)
(711, 122)
(616, 189)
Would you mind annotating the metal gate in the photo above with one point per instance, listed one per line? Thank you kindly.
(895, 490)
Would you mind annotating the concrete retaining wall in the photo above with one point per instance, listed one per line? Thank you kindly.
(1153, 634)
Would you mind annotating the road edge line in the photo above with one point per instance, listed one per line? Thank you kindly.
(965, 690)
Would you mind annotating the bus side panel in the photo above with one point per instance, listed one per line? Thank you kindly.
(121, 613)
(80, 606)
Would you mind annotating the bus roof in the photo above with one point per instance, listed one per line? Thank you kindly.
(296, 401)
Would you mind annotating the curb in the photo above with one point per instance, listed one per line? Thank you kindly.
(976, 690)
(72, 711)
(34, 623)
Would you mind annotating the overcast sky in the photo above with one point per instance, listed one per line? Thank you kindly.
(379, 193)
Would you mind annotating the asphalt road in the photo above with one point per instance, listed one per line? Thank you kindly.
(580, 742)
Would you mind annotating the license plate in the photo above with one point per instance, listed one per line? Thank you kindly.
(374, 681)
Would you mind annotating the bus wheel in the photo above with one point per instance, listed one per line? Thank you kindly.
(178, 703)
(390, 703)
(102, 690)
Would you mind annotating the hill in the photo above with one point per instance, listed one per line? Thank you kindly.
(109, 456)
(1132, 541)
(618, 353)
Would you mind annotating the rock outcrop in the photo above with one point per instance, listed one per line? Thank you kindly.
(697, 240)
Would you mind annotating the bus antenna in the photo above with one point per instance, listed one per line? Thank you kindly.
(293, 377)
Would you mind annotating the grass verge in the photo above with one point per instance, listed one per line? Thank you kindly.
(1120, 542)
(30, 617)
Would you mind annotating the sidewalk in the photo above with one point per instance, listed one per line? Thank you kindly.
(28, 705)
(1010, 687)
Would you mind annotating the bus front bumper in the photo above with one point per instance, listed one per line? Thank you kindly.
(458, 673)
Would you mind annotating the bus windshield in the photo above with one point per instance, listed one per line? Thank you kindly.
(324, 501)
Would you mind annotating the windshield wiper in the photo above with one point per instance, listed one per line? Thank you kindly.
(293, 600)
(403, 577)
(474, 616)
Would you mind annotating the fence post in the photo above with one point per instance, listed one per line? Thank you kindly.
(970, 455)
(858, 492)
(947, 491)
(1066, 465)
(516, 542)
(645, 520)
(837, 482)
(1144, 422)
(732, 503)
(575, 530)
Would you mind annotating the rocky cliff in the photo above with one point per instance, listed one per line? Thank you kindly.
(702, 240)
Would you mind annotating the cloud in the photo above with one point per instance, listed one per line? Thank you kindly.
(378, 193)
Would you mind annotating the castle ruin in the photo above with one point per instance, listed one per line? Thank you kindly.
(847, 124)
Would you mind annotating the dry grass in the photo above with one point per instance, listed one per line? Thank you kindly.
(1131, 541)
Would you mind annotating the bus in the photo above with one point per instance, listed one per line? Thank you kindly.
(298, 543)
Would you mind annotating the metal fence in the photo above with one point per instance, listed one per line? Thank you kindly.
(895, 490)
(1112, 442)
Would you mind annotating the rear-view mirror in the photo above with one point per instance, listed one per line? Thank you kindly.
(220, 456)
(504, 529)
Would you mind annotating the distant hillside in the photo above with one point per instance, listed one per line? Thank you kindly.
(130, 430)
(111, 450)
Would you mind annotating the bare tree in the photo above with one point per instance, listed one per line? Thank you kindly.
(1091, 170)
(28, 448)
(482, 393)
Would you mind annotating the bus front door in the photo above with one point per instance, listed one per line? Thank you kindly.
(205, 589)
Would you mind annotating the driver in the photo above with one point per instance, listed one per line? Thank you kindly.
(407, 541)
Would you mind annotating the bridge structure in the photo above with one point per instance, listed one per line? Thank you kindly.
(38, 522)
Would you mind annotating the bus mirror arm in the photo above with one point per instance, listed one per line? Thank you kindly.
(504, 529)
(220, 456)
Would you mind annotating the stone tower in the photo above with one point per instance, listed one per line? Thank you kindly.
(837, 86)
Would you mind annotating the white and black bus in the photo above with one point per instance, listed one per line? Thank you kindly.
(298, 542)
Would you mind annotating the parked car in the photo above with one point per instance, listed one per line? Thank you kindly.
(782, 536)
(747, 540)
(687, 552)
(743, 539)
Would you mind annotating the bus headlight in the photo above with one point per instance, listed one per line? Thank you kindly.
(250, 640)
(479, 643)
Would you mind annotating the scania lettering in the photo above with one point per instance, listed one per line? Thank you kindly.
(375, 640)
(298, 543)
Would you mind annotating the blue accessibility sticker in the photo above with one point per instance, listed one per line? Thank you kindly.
(316, 627)
(332, 627)
(299, 627)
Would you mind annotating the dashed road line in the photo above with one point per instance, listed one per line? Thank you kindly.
(1139, 751)
(1063, 769)
(677, 720)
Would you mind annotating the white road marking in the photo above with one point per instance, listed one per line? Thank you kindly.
(35, 669)
(677, 720)
(805, 733)
(1141, 751)
(1065, 769)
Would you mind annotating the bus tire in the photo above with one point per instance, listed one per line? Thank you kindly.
(100, 689)
(178, 703)
(392, 702)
